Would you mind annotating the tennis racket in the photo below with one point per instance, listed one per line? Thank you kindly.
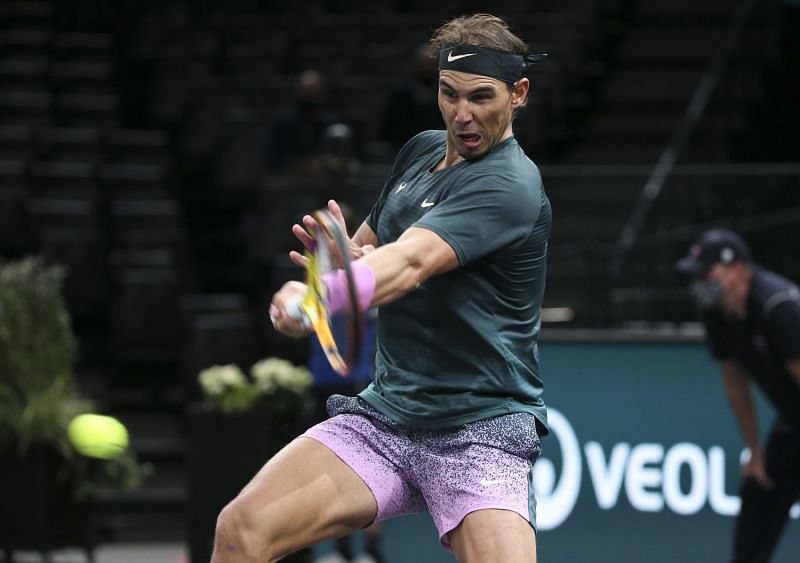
(339, 333)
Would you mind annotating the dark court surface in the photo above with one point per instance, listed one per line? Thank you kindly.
(410, 538)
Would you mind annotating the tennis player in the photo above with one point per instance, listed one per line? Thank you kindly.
(452, 422)
(752, 322)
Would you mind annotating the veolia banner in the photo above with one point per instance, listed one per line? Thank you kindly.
(643, 463)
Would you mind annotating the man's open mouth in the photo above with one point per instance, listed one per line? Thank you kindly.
(470, 139)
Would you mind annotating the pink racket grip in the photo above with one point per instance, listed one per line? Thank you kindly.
(338, 291)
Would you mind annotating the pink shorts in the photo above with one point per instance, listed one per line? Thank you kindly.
(448, 472)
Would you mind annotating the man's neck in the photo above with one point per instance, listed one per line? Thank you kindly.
(451, 157)
(738, 307)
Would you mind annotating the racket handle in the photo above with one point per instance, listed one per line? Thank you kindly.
(294, 311)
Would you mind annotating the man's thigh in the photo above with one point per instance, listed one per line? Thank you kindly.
(494, 535)
(303, 495)
(480, 466)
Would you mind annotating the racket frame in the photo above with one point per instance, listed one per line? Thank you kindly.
(314, 305)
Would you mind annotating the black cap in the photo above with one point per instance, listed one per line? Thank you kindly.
(712, 247)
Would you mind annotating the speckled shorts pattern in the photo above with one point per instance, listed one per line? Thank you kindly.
(448, 472)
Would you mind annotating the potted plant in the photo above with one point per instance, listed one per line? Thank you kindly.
(46, 487)
(243, 420)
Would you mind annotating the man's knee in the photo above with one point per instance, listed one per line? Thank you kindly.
(237, 534)
(494, 535)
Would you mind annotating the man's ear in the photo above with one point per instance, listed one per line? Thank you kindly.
(519, 92)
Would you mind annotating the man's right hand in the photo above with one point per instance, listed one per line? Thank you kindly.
(309, 224)
(291, 292)
(756, 467)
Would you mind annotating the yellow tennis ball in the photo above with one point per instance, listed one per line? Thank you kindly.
(94, 435)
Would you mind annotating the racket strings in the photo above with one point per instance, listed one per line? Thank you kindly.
(320, 262)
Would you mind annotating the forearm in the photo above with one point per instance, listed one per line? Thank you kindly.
(740, 397)
(404, 265)
(397, 271)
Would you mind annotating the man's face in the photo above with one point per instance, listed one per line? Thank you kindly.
(477, 111)
(729, 278)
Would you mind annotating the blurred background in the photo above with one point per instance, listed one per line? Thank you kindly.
(159, 152)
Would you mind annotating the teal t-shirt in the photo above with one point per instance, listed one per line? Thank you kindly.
(463, 346)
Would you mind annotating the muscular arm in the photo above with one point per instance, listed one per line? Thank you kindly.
(403, 265)
(399, 267)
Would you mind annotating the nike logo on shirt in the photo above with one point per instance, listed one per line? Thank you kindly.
(426, 203)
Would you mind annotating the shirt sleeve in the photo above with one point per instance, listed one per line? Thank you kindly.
(784, 324)
(485, 214)
(717, 336)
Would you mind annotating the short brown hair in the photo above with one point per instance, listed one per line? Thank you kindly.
(483, 30)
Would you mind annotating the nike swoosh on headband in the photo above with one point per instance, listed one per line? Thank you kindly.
(451, 57)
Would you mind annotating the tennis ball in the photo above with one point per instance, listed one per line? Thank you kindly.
(94, 435)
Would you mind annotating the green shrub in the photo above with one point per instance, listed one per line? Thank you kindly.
(39, 395)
